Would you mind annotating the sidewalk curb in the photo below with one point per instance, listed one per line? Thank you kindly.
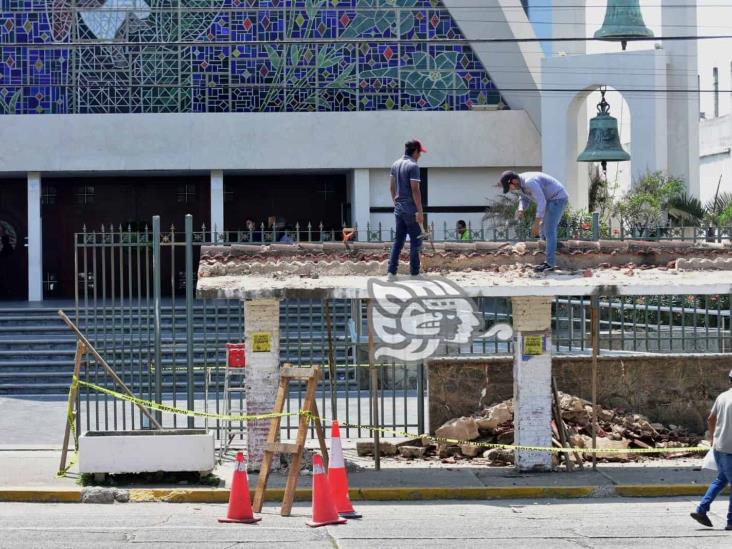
(41, 495)
(221, 495)
(662, 490)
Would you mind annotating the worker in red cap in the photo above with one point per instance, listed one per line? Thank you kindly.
(407, 198)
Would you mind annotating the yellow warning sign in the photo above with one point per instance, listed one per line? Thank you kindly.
(533, 345)
(261, 342)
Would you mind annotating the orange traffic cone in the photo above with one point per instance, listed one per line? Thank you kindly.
(337, 475)
(324, 510)
(240, 506)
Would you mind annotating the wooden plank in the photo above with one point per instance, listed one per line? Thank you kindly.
(320, 433)
(272, 437)
(71, 403)
(559, 423)
(595, 327)
(282, 447)
(90, 349)
(331, 359)
(302, 430)
(292, 372)
(374, 388)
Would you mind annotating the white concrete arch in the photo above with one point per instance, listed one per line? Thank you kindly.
(567, 83)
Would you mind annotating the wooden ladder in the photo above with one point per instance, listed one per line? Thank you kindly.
(273, 446)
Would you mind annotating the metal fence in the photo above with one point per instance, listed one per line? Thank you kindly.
(135, 302)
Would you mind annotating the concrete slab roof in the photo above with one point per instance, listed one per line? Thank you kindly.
(603, 282)
(489, 269)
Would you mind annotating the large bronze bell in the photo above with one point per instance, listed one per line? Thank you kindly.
(603, 142)
(623, 22)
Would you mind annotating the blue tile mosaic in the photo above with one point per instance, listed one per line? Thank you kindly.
(114, 56)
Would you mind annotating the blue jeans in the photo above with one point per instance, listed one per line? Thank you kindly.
(406, 224)
(552, 217)
(724, 477)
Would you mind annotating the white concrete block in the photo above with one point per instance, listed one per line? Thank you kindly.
(167, 450)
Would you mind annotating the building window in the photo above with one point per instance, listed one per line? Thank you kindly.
(250, 56)
(187, 193)
(85, 195)
(48, 195)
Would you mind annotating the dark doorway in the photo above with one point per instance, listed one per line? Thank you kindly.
(13, 233)
(291, 198)
(72, 203)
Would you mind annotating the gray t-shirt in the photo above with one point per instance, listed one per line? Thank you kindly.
(404, 170)
(723, 433)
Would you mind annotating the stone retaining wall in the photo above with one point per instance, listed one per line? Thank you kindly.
(677, 389)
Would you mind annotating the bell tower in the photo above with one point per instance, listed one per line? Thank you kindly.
(664, 124)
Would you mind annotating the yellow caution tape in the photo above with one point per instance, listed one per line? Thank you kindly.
(385, 430)
(490, 445)
(180, 411)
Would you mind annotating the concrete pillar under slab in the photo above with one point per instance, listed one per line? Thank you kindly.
(360, 201)
(532, 370)
(35, 238)
(217, 201)
(262, 336)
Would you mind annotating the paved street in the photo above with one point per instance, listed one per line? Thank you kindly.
(524, 524)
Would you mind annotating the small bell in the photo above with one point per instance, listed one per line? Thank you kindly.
(603, 141)
(623, 22)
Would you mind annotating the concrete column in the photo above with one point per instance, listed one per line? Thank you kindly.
(262, 337)
(559, 145)
(568, 21)
(35, 238)
(677, 18)
(361, 201)
(532, 370)
(217, 201)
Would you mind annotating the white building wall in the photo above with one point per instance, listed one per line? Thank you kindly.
(716, 160)
(263, 141)
(515, 67)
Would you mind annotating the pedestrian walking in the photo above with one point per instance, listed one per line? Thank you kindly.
(720, 429)
(551, 199)
(405, 193)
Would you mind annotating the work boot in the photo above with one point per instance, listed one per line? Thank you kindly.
(728, 527)
(390, 277)
(703, 519)
(543, 268)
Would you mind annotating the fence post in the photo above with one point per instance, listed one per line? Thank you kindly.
(156, 313)
(595, 226)
(189, 315)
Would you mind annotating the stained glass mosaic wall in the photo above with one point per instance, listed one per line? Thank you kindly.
(126, 56)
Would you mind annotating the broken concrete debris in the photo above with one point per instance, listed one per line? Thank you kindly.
(462, 428)
(617, 429)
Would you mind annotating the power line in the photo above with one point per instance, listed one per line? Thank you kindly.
(402, 89)
(341, 41)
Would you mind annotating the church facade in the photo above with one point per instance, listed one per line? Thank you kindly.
(112, 111)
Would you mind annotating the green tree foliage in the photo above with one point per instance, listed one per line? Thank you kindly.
(644, 207)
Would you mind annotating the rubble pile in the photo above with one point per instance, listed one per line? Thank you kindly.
(617, 429)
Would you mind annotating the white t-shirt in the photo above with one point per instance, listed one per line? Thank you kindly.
(722, 409)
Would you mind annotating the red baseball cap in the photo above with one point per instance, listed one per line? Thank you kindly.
(421, 147)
